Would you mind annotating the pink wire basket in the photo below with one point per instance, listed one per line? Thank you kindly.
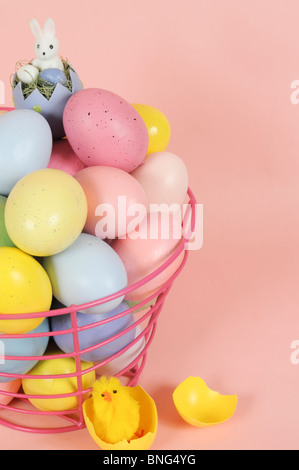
(19, 414)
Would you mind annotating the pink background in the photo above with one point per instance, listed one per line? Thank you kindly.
(221, 71)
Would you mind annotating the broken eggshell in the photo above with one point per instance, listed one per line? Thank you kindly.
(147, 427)
(201, 406)
(51, 109)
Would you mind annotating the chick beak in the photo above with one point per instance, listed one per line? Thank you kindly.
(107, 396)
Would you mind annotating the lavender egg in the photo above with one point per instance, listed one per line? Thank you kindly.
(54, 76)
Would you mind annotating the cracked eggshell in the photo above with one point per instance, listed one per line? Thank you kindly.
(201, 406)
(104, 129)
(51, 109)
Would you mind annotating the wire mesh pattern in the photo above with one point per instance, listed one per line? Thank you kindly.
(20, 414)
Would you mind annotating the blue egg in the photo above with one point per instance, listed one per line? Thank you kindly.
(54, 76)
(23, 347)
(87, 271)
(95, 335)
(25, 146)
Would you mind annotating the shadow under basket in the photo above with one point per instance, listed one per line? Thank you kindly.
(127, 364)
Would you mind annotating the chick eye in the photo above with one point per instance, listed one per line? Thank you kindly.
(114, 391)
(102, 395)
(51, 46)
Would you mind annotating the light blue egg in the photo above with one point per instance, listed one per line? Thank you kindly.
(54, 76)
(95, 335)
(23, 347)
(25, 146)
(87, 271)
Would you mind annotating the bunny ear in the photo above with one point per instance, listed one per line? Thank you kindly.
(35, 28)
(49, 27)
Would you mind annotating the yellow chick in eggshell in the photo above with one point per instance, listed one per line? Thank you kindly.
(116, 412)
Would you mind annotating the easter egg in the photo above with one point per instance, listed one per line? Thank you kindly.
(24, 288)
(157, 125)
(10, 388)
(53, 76)
(85, 272)
(23, 347)
(96, 334)
(164, 177)
(64, 158)
(148, 425)
(104, 129)
(25, 146)
(57, 386)
(111, 196)
(45, 212)
(4, 238)
(143, 255)
(50, 107)
(124, 359)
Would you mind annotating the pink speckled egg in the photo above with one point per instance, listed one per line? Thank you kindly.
(112, 196)
(141, 256)
(104, 129)
(11, 387)
(64, 158)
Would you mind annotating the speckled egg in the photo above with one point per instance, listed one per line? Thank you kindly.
(104, 129)
(45, 212)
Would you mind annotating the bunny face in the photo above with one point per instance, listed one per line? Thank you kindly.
(46, 47)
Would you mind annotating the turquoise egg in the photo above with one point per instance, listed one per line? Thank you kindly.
(23, 347)
(87, 271)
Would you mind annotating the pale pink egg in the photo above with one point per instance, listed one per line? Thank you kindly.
(104, 129)
(164, 177)
(141, 256)
(116, 201)
(11, 387)
(64, 158)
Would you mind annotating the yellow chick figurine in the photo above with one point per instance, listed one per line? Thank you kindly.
(116, 413)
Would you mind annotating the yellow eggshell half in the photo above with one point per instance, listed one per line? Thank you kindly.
(157, 126)
(147, 428)
(200, 406)
(56, 386)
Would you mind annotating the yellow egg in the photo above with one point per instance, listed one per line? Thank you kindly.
(147, 427)
(24, 288)
(56, 386)
(200, 406)
(45, 212)
(157, 126)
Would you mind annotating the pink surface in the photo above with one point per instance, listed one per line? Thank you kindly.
(221, 71)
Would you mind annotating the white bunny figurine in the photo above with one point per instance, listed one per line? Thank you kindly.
(46, 49)
(46, 46)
